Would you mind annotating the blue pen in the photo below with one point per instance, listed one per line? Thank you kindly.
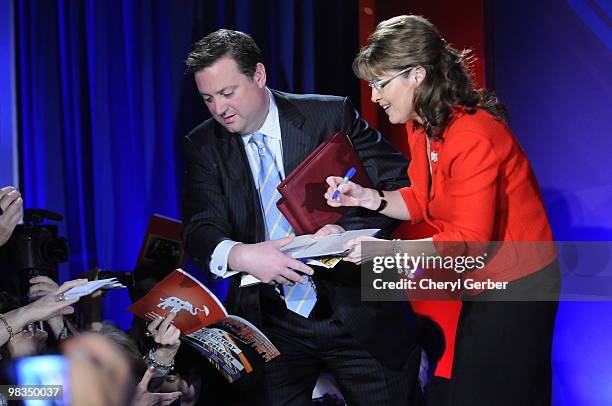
(343, 182)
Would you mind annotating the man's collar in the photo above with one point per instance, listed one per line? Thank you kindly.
(271, 126)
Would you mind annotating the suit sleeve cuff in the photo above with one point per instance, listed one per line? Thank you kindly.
(219, 258)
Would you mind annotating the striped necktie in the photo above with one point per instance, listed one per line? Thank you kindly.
(299, 298)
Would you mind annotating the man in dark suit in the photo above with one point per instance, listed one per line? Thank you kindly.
(369, 347)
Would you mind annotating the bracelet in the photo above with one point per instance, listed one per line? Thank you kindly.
(396, 246)
(383, 202)
(398, 250)
(152, 362)
(7, 326)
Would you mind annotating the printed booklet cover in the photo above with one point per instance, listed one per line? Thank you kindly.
(162, 250)
(225, 340)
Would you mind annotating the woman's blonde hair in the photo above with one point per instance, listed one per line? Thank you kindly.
(410, 41)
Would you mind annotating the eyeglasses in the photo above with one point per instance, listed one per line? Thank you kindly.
(380, 84)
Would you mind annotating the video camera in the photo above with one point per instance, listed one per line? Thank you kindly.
(34, 249)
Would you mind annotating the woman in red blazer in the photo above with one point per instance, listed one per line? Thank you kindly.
(472, 182)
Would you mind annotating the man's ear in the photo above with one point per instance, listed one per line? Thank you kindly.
(260, 75)
(420, 73)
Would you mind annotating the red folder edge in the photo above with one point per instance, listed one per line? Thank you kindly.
(294, 210)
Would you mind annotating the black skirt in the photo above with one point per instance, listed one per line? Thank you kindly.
(504, 343)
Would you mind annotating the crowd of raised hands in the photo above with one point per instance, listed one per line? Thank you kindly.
(106, 366)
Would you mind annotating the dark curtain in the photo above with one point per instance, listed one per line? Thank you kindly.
(104, 103)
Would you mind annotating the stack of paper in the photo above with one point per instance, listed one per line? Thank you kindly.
(91, 286)
(306, 246)
(325, 252)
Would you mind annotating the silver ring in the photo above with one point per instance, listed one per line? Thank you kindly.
(149, 334)
(61, 297)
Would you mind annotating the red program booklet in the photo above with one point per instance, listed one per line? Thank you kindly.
(228, 342)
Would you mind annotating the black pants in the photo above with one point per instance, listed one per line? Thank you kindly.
(503, 348)
(309, 346)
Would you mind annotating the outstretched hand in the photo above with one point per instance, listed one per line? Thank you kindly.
(41, 286)
(266, 262)
(11, 211)
(142, 396)
(52, 304)
(167, 336)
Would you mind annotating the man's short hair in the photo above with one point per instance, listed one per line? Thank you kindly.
(216, 45)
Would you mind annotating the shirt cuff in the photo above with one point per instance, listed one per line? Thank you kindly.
(219, 257)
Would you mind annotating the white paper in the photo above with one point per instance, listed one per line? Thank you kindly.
(248, 280)
(89, 287)
(305, 246)
(333, 244)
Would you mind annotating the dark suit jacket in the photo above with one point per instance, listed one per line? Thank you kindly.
(220, 202)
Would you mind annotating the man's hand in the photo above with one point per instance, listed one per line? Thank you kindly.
(328, 229)
(266, 262)
(11, 205)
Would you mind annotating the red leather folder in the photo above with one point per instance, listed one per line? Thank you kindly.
(302, 191)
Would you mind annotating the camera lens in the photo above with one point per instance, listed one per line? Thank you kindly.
(55, 250)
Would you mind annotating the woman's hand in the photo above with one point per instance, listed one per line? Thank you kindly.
(351, 194)
(356, 254)
(28, 343)
(11, 204)
(167, 336)
(142, 396)
(41, 286)
(52, 304)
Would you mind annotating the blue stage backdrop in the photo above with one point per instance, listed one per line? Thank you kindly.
(8, 126)
(553, 67)
(105, 103)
